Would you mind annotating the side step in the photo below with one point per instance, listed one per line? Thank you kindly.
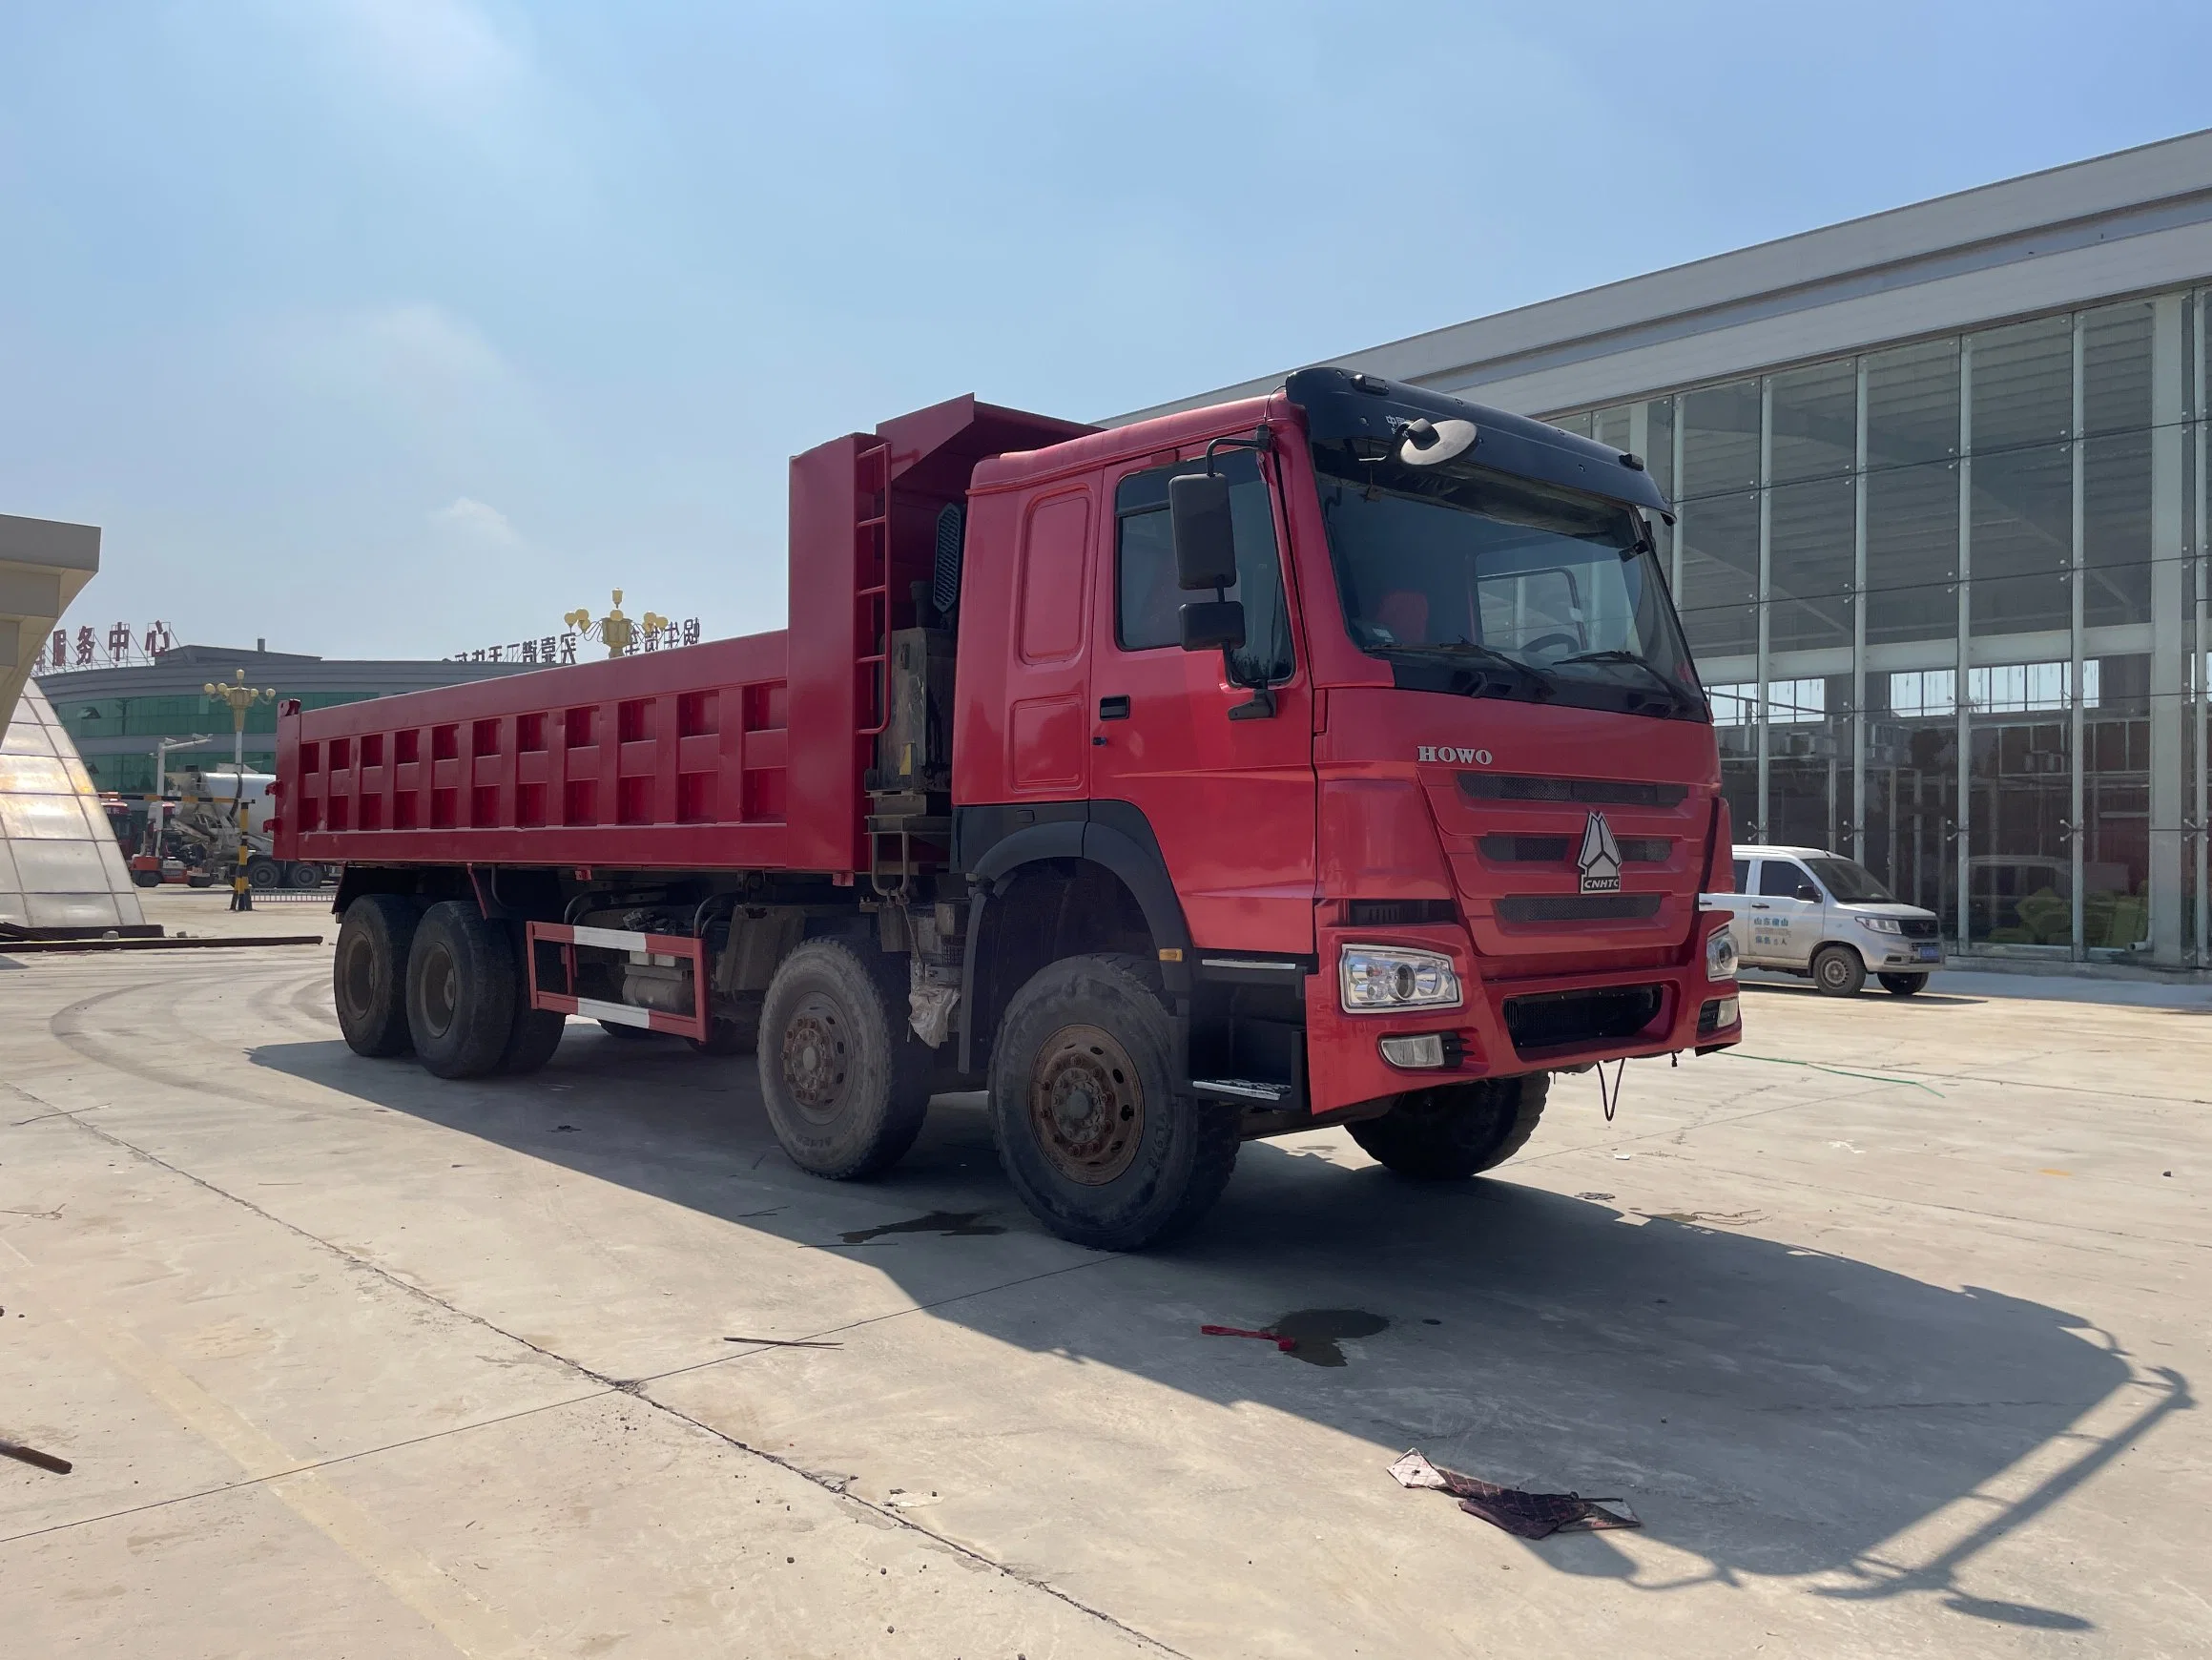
(1243, 1089)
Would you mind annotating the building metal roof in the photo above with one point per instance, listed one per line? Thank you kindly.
(2130, 222)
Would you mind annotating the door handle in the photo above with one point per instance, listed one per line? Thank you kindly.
(1113, 709)
(1762, 907)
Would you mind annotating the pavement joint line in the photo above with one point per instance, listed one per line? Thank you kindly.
(305, 1467)
(635, 1387)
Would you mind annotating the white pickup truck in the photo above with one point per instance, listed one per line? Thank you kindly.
(1802, 910)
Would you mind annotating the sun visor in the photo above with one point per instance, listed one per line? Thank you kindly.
(1341, 404)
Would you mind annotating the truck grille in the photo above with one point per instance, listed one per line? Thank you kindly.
(1919, 927)
(1602, 792)
(1576, 907)
(1398, 913)
(1559, 1020)
(1556, 849)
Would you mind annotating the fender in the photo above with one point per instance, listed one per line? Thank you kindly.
(1114, 835)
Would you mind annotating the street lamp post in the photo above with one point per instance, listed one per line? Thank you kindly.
(240, 697)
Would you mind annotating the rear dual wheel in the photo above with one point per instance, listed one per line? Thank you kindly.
(446, 983)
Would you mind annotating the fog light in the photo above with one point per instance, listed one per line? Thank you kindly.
(1427, 1051)
(1726, 1014)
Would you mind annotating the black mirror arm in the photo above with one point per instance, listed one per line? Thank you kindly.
(1262, 440)
(1260, 707)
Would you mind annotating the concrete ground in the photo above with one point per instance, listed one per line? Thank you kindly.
(1885, 1326)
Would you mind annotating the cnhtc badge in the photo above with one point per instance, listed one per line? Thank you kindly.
(1599, 861)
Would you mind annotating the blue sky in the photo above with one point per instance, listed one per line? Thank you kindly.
(392, 327)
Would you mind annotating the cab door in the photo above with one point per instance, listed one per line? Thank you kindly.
(1784, 920)
(1215, 749)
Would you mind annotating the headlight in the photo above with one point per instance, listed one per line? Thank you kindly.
(1387, 977)
(1720, 954)
(1880, 924)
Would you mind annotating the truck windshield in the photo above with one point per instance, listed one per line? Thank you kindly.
(1849, 882)
(1474, 581)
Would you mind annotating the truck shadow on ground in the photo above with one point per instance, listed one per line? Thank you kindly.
(1772, 1409)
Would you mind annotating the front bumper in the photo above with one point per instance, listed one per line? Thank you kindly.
(1505, 1028)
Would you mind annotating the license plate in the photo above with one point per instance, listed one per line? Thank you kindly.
(1931, 953)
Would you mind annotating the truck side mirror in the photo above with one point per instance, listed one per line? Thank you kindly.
(1204, 534)
(1213, 625)
(1806, 891)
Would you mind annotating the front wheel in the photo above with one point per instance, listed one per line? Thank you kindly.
(1903, 985)
(845, 1087)
(1455, 1130)
(1091, 1129)
(1838, 972)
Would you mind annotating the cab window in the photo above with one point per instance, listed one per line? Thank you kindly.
(1781, 879)
(1743, 876)
(1147, 603)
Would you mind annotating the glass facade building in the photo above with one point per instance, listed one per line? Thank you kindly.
(1948, 600)
(1941, 480)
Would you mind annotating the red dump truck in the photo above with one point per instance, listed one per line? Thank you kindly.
(1331, 757)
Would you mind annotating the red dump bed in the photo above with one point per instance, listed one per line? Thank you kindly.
(746, 754)
(676, 759)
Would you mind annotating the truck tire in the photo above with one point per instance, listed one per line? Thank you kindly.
(461, 991)
(615, 1028)
(1455, 1130)
(536, 1032)
(845, 1087)
(368, 974)
(264, 872)
(1091, 1129)
(1838, 972)
(734, 1033)
(1904, 985)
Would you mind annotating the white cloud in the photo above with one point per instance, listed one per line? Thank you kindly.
(477, 522)
(446, 51)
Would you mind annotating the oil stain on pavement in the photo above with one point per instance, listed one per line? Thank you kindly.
(1318, 1331)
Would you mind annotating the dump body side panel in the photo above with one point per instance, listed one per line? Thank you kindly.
(670, 759)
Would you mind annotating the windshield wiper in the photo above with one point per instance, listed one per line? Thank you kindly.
(1489, 655)
(1679, 697)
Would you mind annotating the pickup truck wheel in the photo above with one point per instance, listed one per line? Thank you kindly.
(1091, 1129)
(368, 974)
(736, 1033)
(1838, 972)
(462, 990)
(845, 1087)
(1455, 1130)
(1903, 985)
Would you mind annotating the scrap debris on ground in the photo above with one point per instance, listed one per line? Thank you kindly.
(31, 1454)
(1529, 1515)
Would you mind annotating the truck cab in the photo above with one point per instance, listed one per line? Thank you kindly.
(1810, 912)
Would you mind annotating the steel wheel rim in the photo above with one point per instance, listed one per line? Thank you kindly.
(441, 992)
(816, 1058)
(357, 974)
(1833, 971)
(1086, 1105)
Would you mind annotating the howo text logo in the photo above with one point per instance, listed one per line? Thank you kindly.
(1438, 751)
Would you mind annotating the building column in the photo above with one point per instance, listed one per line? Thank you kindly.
(2170, 609)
